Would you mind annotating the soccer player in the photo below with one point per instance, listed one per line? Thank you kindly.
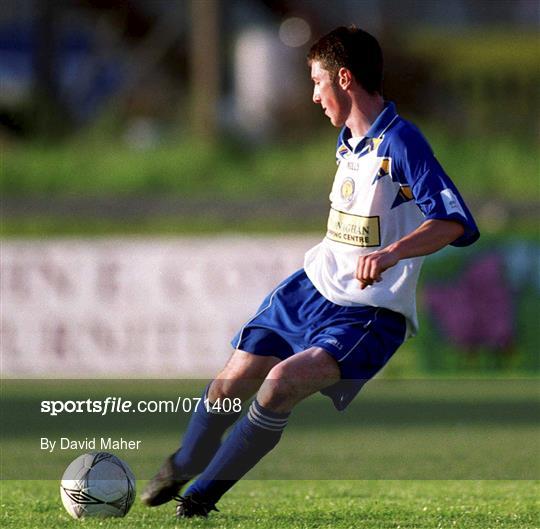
(332, 325)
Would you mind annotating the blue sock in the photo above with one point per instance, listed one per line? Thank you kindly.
(249, 441)
(201, 439)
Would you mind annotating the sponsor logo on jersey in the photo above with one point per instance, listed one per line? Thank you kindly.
(347, 189)
(355, 230)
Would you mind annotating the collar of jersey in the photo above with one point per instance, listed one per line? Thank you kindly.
(377, 129)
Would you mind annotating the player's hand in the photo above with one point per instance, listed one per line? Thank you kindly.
(371, 266)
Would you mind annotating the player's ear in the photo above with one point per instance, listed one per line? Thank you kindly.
(344, 78)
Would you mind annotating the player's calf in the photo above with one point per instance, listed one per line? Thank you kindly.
(201, 441)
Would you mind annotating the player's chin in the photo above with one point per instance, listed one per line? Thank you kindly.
(338, 123)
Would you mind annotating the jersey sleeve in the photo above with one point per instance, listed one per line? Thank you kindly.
(432, 189)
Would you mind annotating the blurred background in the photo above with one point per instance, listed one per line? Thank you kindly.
(163, 166)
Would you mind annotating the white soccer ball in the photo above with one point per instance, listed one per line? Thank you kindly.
(97, 484)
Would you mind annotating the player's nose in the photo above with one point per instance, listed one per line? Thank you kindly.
(316, 97)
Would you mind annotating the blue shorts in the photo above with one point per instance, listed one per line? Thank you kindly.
(295, 317)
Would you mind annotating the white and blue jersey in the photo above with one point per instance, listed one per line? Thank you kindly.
(386, 185)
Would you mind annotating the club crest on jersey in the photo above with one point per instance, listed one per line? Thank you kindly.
(347, 189)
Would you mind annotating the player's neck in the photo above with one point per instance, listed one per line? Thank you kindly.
(364, 111)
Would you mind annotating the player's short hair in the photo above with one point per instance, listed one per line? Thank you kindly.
(354, 49)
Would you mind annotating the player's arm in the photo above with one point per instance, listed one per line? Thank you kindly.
(430, 236)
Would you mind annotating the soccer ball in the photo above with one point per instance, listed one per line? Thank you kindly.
(97, 484)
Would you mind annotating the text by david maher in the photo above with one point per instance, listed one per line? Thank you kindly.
(89, 443)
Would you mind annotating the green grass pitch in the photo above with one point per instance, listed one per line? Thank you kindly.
(307, 504)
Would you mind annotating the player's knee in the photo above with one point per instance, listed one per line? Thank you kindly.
(222, 389)
(232, 388)
(278, 390)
